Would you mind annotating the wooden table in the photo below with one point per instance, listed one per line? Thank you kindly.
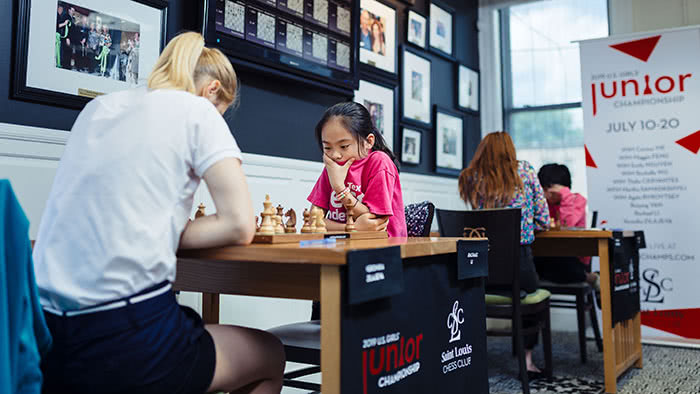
(290, 271)
(622, 344)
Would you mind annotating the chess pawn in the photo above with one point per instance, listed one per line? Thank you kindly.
(350, 224)
(200, 211)
(320, 223)
(306, 228)
(268, 225)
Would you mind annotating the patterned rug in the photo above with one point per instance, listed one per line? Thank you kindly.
(666, 370)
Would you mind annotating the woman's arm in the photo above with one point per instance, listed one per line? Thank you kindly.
(541, 209)
(233, 222)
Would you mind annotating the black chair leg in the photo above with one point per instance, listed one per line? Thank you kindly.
(581, 317)
(547, 344)
(594, 323)
(520, 346)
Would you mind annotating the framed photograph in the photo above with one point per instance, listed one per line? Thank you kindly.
(380, 101)
(449, 134)
(415, 88)
(68, 52)
(378, 36)
(417, 28)
(410, 146)
(441, 29)
(468, 89)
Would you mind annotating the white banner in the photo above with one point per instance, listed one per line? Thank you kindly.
(641, 103)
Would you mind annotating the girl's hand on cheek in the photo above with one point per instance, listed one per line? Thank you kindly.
(336, 172)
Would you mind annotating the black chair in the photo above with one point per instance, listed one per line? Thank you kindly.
(302, 341)
(502, 228)
(584, 302)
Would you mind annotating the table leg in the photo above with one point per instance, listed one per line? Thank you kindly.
(330, 329)
(637, 321)
(210, 308)
(609, 360)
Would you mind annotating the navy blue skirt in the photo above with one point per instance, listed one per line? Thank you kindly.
(153, 346)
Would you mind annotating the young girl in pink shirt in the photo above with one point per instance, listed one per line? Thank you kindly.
(361, 176)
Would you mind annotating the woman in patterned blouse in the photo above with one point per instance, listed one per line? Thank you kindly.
(496, 179)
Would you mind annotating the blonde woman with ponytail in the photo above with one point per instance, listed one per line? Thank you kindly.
(118, 211)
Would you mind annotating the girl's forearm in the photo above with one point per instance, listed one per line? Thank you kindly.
(354, 207)
(332, 225)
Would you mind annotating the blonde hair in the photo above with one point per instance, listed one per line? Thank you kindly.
(186, 63)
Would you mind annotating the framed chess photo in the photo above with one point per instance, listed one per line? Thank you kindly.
(410, 145)
(377, 36)
(449, 133)
(441, 29)
(416, 29)
(467, 89)
(415, 88)
(68, 52)
(380, 101)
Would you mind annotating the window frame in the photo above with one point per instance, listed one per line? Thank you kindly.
(507, 75)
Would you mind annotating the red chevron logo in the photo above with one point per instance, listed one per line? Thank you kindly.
(640, 49)
(589, 159)
(691, 142)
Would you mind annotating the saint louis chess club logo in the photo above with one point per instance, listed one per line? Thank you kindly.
(458, 356)
(454, 320)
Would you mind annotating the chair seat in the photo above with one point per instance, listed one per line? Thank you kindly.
(533, 298)
(566, 288)
(304, 334)
(302, 341)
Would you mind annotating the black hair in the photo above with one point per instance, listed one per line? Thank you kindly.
(358, 122)
(551, 174)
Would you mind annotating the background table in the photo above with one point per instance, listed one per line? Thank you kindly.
(622, 344)
(291, 271)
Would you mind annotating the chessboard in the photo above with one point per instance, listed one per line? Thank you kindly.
(272, 229)
(294, 238)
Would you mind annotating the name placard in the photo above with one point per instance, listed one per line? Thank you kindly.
(472, 259)
(374, 274)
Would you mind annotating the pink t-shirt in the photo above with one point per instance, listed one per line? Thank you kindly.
(374, 181)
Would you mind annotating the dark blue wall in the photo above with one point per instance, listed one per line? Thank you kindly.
(275, 117)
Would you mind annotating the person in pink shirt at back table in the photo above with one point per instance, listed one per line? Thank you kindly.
(569, 209)
(361, 174)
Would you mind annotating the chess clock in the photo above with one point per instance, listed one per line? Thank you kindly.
(311, 41)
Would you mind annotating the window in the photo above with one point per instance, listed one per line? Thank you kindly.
(542, 79)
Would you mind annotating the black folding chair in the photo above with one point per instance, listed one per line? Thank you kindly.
(502, 228)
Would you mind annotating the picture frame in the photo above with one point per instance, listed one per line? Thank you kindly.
(377, 32)
(381, 101)
(410, 145)
(50, 69)
(449, 137)
(417, 29)
(415, 83)
(442, 29)
(467, 89)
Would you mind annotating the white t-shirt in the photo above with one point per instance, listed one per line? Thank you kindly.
(123, 193)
